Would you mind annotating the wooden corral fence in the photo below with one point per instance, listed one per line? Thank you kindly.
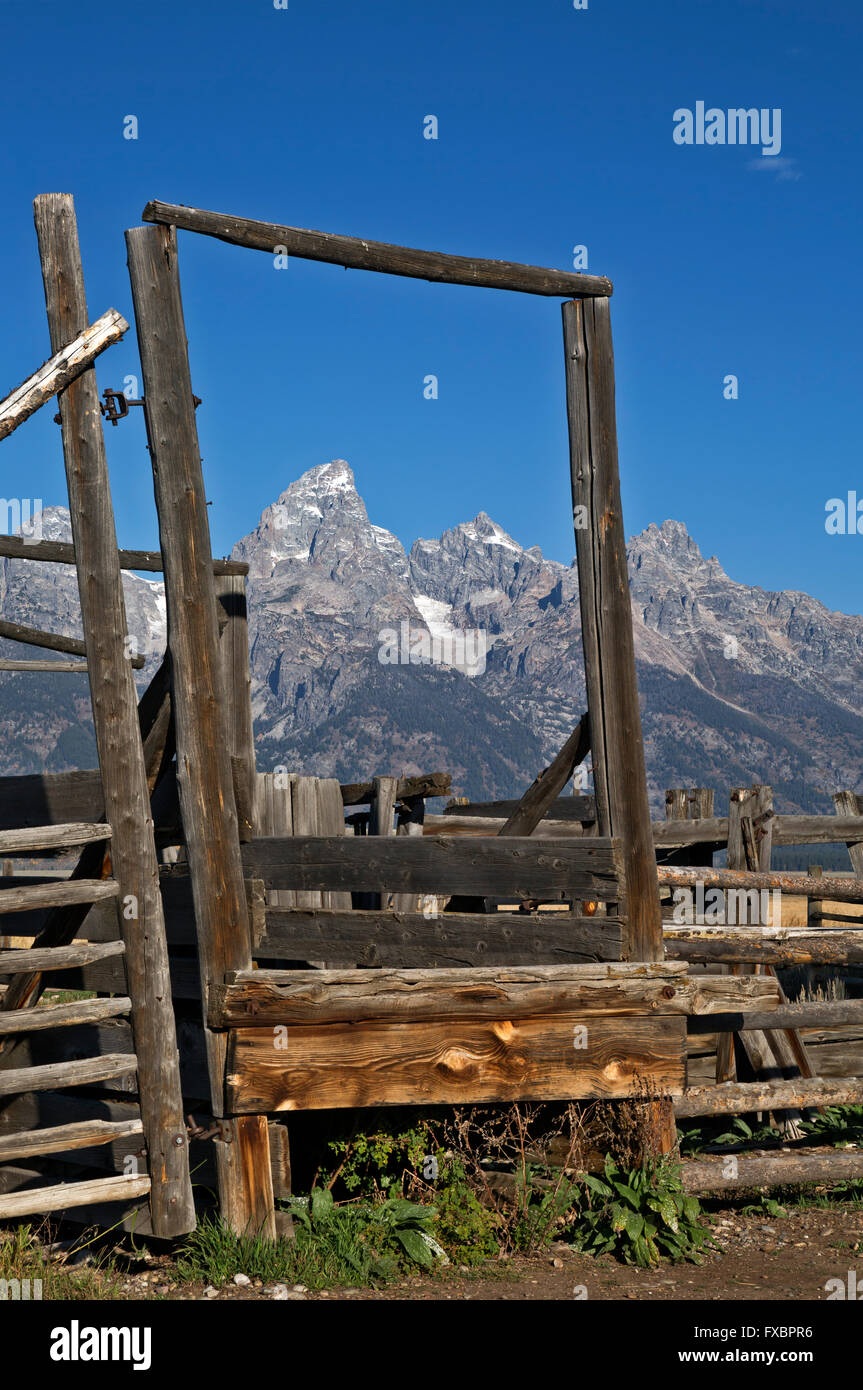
(291, 952)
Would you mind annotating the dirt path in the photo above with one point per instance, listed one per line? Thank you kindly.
(774, 1258)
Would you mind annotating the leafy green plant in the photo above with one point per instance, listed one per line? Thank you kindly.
(642, 1216)
(466, 1229)
(369, 1164)
(371, 1237)
(764, 1206)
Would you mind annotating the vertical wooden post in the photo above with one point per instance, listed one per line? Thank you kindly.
(204, 773)
(381, 823)
(619, 775)
(118, 736)
(620, 779)
(237, 685)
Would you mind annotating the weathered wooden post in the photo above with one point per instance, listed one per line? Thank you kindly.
(620, 778)
(204, 772)
(118, 737)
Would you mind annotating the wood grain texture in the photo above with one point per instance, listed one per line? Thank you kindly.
(732, 945)
(448, 939)
(62, 1015)
(63, 553)
(32, 838)
(57, 668)
(62, 1196)
(525, 868)
(114, 704)
(337, 1066)
(60, 369)
(620, 779)
(429, 784)
(564, 808)
(58, 957)
(824, 1166)
(204, 773)
(746, 1097)
(87, 1071)
(62, 1138)
(356, 253)
(61, 893)
(50, 641)
(259, 997)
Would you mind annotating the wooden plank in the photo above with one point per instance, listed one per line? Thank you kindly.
(331, 821)
(42, 1200)
(114, 704)
(356, 253)
(203, 759)
(849, 806)
(60, 369)
(429, 784)
(63, 553)
(114, 1037)
(31, 838)
(61, 893)
(62, 1015)
(338, 1066)
(304, 819)
(61, 1138)
(804, 885)
(85, 1071)
(381, 823)
(829, 1013)
(237, 686)
(548, 785)
(619, 775)
(50, 798)
(449, 939)
(733, 945)
(745, 1097)
(564, 808)
(259, 997)
(816, 830)
(50, 641)
(58, 957)
(64, 668)
(792, 1169)
(524, 868)
(274, 815)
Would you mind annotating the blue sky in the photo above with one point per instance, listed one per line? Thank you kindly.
(555, 130)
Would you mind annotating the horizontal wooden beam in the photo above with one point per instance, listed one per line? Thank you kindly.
(260, 997)
(744, 1097)
(411, 940)
(564, 808)
(58, 957)
(63, 553)
(355, 253)
(42, 1200)
(752, 946)
(65, 668)
(50, 641)
(794, 1169)
(493, 825)
(62, 893)
(61, 369)
(338, 1066)
(43, 1016)
(35, 837)
(830, 1013)
(429, 784)
(525, 868)
(802, 885)
(60, 1138)
(86, 1071)
(49, 798)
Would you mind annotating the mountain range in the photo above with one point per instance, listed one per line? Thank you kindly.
(464, 654)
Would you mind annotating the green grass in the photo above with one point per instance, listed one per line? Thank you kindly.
(23, 1256)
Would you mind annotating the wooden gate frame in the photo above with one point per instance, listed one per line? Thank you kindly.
(204, 768)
